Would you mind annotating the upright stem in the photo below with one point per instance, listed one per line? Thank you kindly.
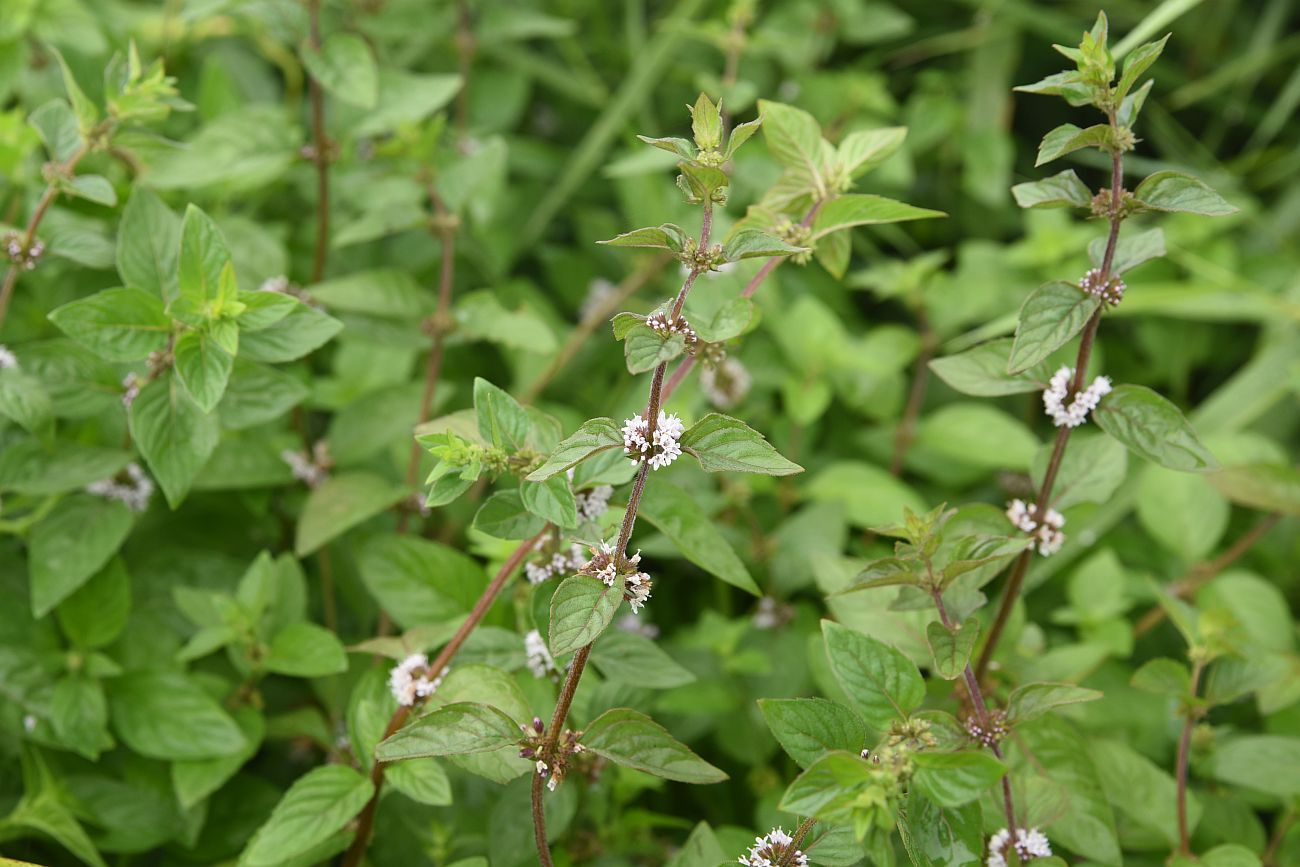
(33, 223)
(366, 819)
(320, 150)
(1016, 579)
(466, 47)
(579, 663)
(1184, 751)
(916, 396)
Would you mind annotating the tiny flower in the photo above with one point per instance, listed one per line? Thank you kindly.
(1046, 531)
(599, 292)
(312, 470)
(593, 503)
(610, 568)
(8, 361)
(771, 614)
(540, 661)
(1084, 402)
(542, 768)
(29, 723)
(659, 449)
(410, 679)
(776, 848)
(632, 623)
(278, 285)
(726, 383)
(134, 491)
(1030, 844)
(668, 327)
(131, 385)
(1110, 291)
(20, 253)
(991, 734)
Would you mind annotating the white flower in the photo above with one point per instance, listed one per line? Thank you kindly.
(662, 448)
(135, 492)
(1030, 844)
(637, 590)
(410, 679)
(593, 503)
(726, 383)
(540, 661)
(1111, 291)
(131, 385)
(8, 361)
(1084, 402)
(632, 623)
(278, 285)
(29, 723)
(304, 469)
(1047, 530)
(773, 849)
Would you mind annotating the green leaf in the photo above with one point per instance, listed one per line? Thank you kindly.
(501, 420)
(503, 516)
(645, 348)
(204, 255)
(626, 657)
(678, 516)
(263, 309)
(1175, 191)
(41, 809)
(1049, 318)
(978, 434)
(630, 738)
(1035, 699)
(318, 805)
(28, 467)
(593, 437)
(1266, 763)
(345, 68)
(481, 316)
(1163, 676)
(794, 137)
(148, 244)
(954, 779)
(1063, 190)
(74, 542)
(340, 503)
(937, 836)
(423, 782)
(552, 500)
(257, 394)
(881, 682)
(982, 371)
(381, 292)
(809, 728)
(1092, 470)
(829, 787)
(79, 714)
(858, 209)
(173, 434)
(581, 609)
(23, 400)
(451, 730)
(1141, 790)
(116, 324)
(306, 650)
(165, 715)
(706, 123)
(1271, 487)
(952, 650)
(740, 134)
(196, 779)
(1137, 63)
(753, 244)
(1063, 764)
(419, 581)
(92, 188)
(722, 443)
(861, 151)
(1132, 250)
(406, 98)
(668, 236)
(57, 126)
(95, 614)
(1068, 138)
(204, 368)
(1153, 428)
(679, 146)
(300, 331)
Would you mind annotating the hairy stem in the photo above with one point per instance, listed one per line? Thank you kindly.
(579, 663)
(366, 818)
(1200, 574)
(1016, 580)
(33, 223)
(1191, 715)
(320, 150)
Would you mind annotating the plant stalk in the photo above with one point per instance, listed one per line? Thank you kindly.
(320, 150)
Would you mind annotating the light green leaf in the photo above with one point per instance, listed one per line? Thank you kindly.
(173, 434)
(1163, 676)
(1035, 699)
(165, 715)
(70, 545)
(552, 500)
(306, 650)
(454, 729)
(829, 788)
(630, 738)
(794, 137)
(593, 437)
(668, 236)
(626, 657)
(196, 779)
(1068, 138)
(753, 244)
(148, 244)
(954, 779)
(809, 728)
(1137, 63)
(706, 123)
(861, 151)
(23, 400)
(982, 371)
(204, 368)
(57, 126)
(1153, 428)
(92, 188)
(1049, 318)
(1272, 487)
(952, 650)
(1132, 250)
(1063, 190)
(96, 613)
(204, 255)
(294, 335)
(722, 443)
(1175, 191)
(381, 292)
(116, 324)
(858, 209)
(501, 420)
(679, 517)
(937, 836)
(503, 516)
(645, 348)
(342, 502)
(344, 66)
(881, 682)
(318, 805)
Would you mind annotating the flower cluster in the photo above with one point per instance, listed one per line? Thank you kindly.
(533, 746)
(1030, 844)
(633, 624)
(410, 679)
(131, 487)
(1047, 530)
(659, 449)
(611, 568)
(559, 563)
(592, 504)
(599, 293)
(1110, 291)
(988, 733)
(773, 849)
(540, 661)
(726, 383)
(131, 385)
(311, 469)
(772, 614)
(1084, 402)
(21, 254)
(282, 285)
(666, 327)
(8, 361)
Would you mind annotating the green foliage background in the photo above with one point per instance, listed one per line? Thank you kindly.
(165, 677)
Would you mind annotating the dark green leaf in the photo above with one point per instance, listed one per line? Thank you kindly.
(628, 737)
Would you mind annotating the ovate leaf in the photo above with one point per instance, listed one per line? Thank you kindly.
(318, 805)
(882, 683)
(1153, 428)
(595, 436)
(808, 728)
(581, 609)
(1175, 191)
(630, 738)
(451, 730)
(174, 435)
(1050, 316)
(116, 324)
(723, 443)
(1063, 190)
(165, 715)
(339, 504)
(344, 66)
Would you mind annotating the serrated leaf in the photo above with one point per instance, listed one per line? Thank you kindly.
(753, 244)
(954, 779)
(882, 683)
(808, 728)
(794, 137)
(982, 371)
(667, 236)
(1063, 190)
(861, 151)
(1137, 63)
(552, 500)
(317, 806)
(1032, 700)
(1068, 138)
(581, 609)
(722, 443)
(644, 348)
(859, 209)
(593, 437)
(1153, 428)
(1049, 318)
(630, 738)
(952, 650)
(173, 434)
(116, 324)
(203, 367)
(165, 715)
(1177, 192)
(454, 729)
(501, 420)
